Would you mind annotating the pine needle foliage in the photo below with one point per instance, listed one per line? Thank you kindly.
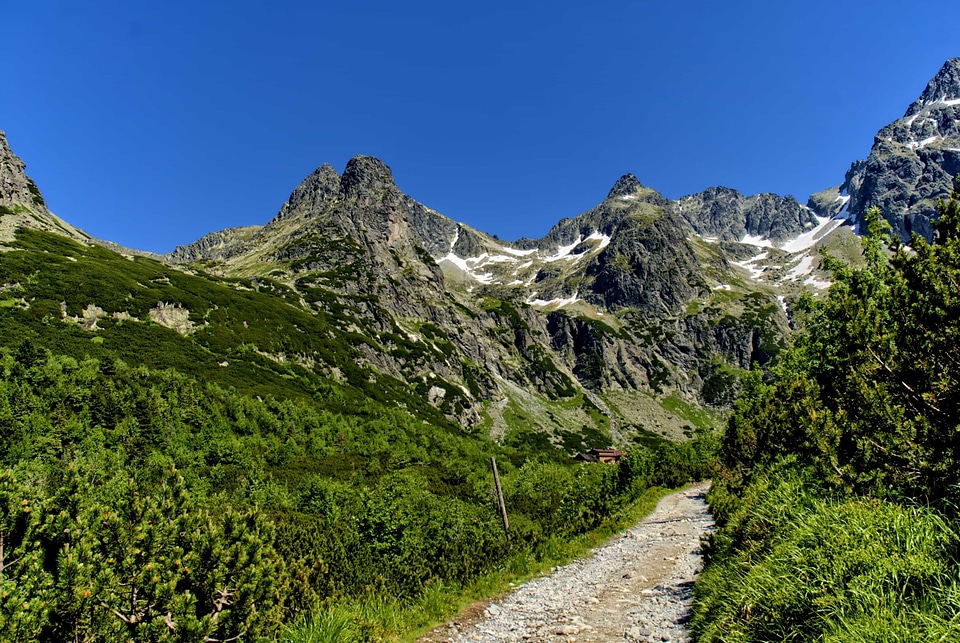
(839, 496)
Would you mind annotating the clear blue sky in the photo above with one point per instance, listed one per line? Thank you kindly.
(153, 123)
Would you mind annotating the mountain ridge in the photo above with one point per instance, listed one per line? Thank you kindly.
(602, 321)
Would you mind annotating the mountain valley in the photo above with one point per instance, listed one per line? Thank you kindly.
(290, 422)
(642, 307)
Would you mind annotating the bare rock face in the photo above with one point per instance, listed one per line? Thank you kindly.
(21, 203)
(913, 161)
(172, 316)
(649, 263)
(725, 214)
(314, 194)
(216, 246)
(15, 186)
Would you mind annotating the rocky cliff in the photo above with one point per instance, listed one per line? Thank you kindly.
(723, 213)
(22, 204)
(617, 320)
(913, 161)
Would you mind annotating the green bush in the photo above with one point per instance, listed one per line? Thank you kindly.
(791, 566)
(837, 500)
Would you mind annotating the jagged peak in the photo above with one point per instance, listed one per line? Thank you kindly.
(324, 178)
(325, 170)
(944, 87)
(23, 205)
(365, 173)
(626, 185)
(15, 185)
(714, 191)
(320, 186)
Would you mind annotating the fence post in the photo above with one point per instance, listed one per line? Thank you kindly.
(500, 503)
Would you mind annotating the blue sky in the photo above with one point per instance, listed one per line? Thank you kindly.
(151, 124)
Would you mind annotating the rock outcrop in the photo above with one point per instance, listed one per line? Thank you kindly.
(725, 214)
(22, 204)
(914, 160)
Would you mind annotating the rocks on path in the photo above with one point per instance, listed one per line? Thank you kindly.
(637, 587)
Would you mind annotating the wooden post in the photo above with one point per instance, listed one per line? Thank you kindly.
(500, 503)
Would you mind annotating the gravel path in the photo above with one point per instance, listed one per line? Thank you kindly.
(637, 587)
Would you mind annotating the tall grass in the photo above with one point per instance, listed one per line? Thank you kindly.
(787, 566)
(331, 625)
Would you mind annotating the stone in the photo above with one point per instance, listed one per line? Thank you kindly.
(913, 160)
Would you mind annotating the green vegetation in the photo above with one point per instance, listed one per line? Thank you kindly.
(35, 195)
(209, 503)
(698, 417)
(256, 479)
(838, 505)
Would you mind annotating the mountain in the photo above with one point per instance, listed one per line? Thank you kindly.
(913, 162)
(726, 214)
(22, 205)
(614, 311)
(620, 321)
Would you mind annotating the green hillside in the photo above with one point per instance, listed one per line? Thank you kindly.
(247, 468)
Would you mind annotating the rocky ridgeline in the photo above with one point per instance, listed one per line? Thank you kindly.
(21, 203)
(15, 186)
(727, 215)
(398, 264)
(914, 160)
(638, 298)
(636, 588)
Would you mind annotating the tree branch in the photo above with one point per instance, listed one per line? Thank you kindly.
(902, 383)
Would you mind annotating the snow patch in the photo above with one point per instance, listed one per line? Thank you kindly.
(484, 259)
(918, 145)
(723, 287)
(806, 240)
(602, 238)
(803, 267)
(748, 264)
(516, 252)
(943, 100)
(466, 268)
(553, 302)
(815, 283)
(783, 303)
(563, 252)
(760, 242)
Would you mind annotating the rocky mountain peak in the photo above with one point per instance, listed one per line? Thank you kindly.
(21, 203)
(366, 174)
(319, 188)
(913, 161)
(626, 185)
(724, 213)
(15, 186)
(942, 88)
